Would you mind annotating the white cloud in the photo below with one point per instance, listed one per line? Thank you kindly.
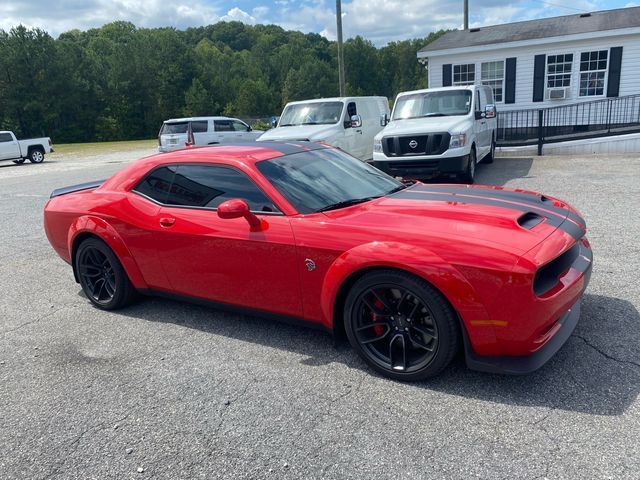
(238, 15)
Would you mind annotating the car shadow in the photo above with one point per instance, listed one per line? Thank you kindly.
(502, 170)
(596, 372)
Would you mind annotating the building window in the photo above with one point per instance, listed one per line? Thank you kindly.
(492, 75)
(559, 70)
(593, 70)
(464, 74)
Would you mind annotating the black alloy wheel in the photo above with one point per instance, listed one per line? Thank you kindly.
(103, 280)
(400, 325)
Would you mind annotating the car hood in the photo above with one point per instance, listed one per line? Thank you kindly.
(299, 132)
(410, 126)
(510, 220)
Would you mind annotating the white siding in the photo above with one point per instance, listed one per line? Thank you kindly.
(629, 80)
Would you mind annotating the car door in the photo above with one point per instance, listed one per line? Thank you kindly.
(9, 147)
(242, 131)
(352, 142)
(223, 260)
(199, 129)
(480, 126)
(224, 131)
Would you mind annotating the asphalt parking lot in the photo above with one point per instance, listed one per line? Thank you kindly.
(169, 390)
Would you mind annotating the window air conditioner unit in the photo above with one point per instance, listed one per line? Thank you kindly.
(557, 93)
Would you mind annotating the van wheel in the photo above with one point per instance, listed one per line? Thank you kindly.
(470, 173)
(36, 155)
(19, 161)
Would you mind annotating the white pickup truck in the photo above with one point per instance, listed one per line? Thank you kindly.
(32, 149)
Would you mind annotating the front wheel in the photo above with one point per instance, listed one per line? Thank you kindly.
(103, 280)
(36, 156)
(400, 325)
(469, 174)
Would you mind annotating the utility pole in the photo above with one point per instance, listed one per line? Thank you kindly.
(466, 14)
(340, 49)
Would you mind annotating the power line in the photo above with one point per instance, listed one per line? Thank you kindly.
(561, 6)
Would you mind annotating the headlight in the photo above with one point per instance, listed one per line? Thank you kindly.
(377, 146)
(458, 140)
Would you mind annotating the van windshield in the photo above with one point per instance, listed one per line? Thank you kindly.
(316, 113)
(432, 104)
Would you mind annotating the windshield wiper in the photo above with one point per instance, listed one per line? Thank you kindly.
(286, 125)
(435, 114)
(346, 203)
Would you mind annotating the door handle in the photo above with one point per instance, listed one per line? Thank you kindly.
(167, 222)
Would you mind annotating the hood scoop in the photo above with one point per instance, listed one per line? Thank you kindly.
(529, 220)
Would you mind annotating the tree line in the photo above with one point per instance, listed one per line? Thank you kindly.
(120, 82)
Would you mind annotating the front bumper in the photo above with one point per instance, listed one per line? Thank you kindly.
(563, 327)
(423, 168)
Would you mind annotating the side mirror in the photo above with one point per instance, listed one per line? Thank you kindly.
(249, 128)
(237, 208)
(490, 111)
(384, 120)
(356, 121)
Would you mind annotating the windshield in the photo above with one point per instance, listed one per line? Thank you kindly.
(323, 179)
(432, 104)
(316, 113)
(178, 127)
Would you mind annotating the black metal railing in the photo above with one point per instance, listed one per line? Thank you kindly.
(597, 118)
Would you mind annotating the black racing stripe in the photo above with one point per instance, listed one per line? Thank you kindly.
(528, 198)
(286, 148)
(553, 219)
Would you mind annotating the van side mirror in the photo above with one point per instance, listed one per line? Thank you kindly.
(384, 120)
(356, 121)
(490, 111)
(237, 208)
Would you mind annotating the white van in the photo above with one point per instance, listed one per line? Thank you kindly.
(438, 131)
(349, 123)
(174, 133)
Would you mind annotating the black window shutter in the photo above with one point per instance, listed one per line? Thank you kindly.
(510, 81)
(615, 67)
(538, 77)
(446, 75)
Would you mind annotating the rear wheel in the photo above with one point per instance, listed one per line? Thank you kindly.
(400, 325)
(492, 153)
(36, 155)
(103, 280)
(470, 173)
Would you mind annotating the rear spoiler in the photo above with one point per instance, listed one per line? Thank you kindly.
(76, 188)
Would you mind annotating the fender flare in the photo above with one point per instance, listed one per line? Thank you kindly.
(415, 260)
(103, 230)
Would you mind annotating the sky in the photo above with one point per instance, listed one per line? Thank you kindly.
(380, 21)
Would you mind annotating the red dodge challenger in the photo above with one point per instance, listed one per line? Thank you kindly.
(303, 231)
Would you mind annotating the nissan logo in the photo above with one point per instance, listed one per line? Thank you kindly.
(413, 144)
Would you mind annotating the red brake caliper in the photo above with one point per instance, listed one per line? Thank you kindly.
(379, 329)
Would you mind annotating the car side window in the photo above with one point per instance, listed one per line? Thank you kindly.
(239, 126)
(5, 137)
(478, 101)
(207, 186)
(351, 109)
(199, 126)
(157, 183)
(223, 126)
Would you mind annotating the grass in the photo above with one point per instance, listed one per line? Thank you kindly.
(97, 148)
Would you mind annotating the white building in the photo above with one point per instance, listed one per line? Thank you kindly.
(543, 63)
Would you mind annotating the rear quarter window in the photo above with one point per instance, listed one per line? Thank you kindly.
(157, 184)
(173, 128)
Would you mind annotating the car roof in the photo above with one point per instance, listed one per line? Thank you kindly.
(441, 89)
(249, 152)
(195, 119)
(335, 99)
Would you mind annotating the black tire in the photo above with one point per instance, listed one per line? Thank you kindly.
(469, 174)
(19, 161)
(415, 345)
(492, 153)
(36, 155)
(101, 276)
